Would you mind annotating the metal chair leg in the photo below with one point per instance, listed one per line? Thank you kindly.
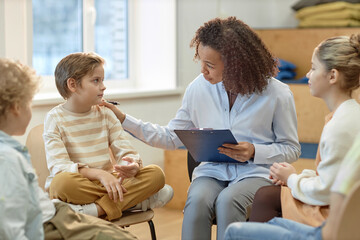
(152, 230)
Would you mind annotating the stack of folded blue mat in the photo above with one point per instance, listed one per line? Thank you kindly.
(287, 73)
(286, 70)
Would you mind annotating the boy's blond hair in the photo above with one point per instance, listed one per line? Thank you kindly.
(18, 84)
(76, 66)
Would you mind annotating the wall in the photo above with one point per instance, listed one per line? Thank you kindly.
(2, 29)
(190, 15)
(256, 13)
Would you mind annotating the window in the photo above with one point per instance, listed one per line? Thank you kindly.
(57, 31)
(64, 27)
(111, 36)
(137, 38)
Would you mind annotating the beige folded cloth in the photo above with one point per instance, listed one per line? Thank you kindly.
(308, 3)
(333, 15)
(326, 8)
(329, 23)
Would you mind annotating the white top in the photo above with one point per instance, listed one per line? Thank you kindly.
(267, 120)
(348, 175)
(46, 205)
(336, 139)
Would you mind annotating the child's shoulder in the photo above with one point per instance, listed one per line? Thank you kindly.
(56, 110)
(103, 110)
(347, 108)
(107, 114)
(54, 114)
(13, 164)
(11, 156)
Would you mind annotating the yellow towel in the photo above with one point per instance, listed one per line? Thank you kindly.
(341, 14)
(329, 23)
(326, 8)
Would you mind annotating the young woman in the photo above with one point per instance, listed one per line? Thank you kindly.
(280, 228)
(333, 76)
(235, 90)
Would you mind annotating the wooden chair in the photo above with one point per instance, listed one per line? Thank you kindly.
(35, 144)
(347, 226)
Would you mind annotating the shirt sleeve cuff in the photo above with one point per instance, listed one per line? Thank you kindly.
(129, 122)
(291, 181)
(260, 154)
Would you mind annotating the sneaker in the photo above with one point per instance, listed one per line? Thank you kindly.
(158, 200)
(89, 209)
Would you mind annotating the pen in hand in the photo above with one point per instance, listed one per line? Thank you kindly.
(113, 102)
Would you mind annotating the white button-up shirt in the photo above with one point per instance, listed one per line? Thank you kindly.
(267, 120)
(23, 205)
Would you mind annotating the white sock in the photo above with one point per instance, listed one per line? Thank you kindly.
(144, 206)
(90, 209)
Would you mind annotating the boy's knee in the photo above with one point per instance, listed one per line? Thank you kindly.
(62, 184)
(156, 175)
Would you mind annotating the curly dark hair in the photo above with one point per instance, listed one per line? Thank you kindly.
(248, 64)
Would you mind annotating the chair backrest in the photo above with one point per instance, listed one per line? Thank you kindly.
(348, 226)
(35, 144)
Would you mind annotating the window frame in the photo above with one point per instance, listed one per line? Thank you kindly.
(18, 45)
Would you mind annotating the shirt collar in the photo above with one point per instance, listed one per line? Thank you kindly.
(12, 142)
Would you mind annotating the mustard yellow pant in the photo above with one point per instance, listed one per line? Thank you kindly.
(76, 189)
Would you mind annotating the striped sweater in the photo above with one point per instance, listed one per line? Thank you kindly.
(74, 140)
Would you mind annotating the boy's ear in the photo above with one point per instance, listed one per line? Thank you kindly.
(15, 109)
(334, 76)
(71, 84)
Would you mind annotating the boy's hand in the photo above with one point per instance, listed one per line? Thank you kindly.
(241, 152)
(127, 171)
(120, 115)
(113, 186)
(281, 171)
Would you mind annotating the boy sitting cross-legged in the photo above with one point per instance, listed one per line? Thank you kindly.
(78, 135)
(26, 212)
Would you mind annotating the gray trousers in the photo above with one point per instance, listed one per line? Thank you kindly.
(209, 197)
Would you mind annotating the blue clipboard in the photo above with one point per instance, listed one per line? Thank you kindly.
(203, 144)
